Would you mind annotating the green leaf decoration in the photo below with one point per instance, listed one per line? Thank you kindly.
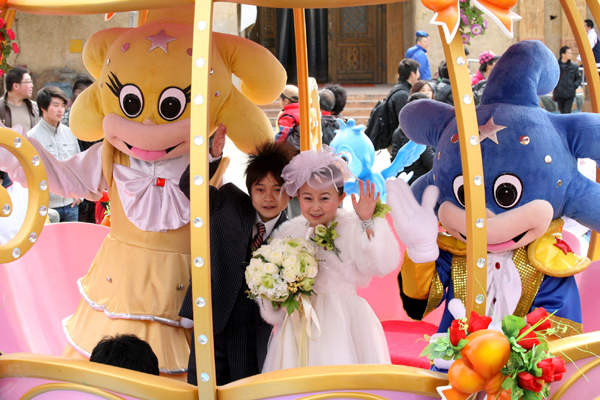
(512, 325)
(529, 395)
(381, 210)
(324, 236)
(509, 383)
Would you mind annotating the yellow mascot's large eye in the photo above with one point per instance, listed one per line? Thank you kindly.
(172, 103)
(131, 100)
(130, 96)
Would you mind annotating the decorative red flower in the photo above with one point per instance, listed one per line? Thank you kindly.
(456, 333)
(478, 322)
(1, 72)
(2, 23)
(528, 341)
(559, 368)
(15, 48)
(537, 315)
(547, 367)
(11, 34)
(529, 382)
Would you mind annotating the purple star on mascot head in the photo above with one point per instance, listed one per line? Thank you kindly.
(160, 40)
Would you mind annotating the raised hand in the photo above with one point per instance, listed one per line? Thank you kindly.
(365, 206)
(218, 141)
(416, 224)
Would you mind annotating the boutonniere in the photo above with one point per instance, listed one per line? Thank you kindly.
(325, 235)
(381, 210)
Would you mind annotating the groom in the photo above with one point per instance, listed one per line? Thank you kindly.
(239, 223)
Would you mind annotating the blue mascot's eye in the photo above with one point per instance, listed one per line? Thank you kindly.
(172, 103)
(131, 100)
(508, 190)
(347, 157)
(459, 190)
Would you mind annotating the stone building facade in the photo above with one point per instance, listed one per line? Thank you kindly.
(358, 45)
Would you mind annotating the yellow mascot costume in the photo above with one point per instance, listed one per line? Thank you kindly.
(139, 104)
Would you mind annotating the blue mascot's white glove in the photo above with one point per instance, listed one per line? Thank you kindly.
(416, 225)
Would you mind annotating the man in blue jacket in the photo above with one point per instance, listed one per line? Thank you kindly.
(417, 52)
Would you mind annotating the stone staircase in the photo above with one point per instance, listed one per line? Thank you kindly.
(358, 106)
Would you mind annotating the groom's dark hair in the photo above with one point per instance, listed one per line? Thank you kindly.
(269, 158)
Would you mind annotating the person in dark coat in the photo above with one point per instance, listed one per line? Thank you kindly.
(239, 223)
(329, 123)
(425, 161)
(408, 75)
(569, 81)
(443, 92)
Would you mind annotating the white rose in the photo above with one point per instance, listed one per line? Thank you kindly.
(289, 275)
(257, 278)
(276, 257)
(255, 263)
(263, 250)
(270, 268)
(299, 270)
(312, 271)
(293, 250)
(290, 262)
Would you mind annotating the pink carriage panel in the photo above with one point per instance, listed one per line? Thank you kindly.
(573, 241)
(40, 289)
(585, 387)
(387, 394)
(15, 388)
(588, 291)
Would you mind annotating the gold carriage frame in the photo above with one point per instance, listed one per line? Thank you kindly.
(384, 377)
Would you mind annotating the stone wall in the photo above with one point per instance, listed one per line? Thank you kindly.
(44, 43)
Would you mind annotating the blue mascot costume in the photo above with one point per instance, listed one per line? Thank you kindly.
(531, 181)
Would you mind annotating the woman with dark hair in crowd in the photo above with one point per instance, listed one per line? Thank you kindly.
(422, 87)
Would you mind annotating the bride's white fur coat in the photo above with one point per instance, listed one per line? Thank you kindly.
(362, 258)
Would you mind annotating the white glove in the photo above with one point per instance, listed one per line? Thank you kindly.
(416, 225)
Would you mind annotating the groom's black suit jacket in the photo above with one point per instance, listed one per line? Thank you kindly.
(232, 218)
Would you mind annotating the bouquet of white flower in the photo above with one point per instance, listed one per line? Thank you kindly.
(281, 271)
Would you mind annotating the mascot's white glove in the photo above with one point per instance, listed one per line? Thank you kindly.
(416, 225)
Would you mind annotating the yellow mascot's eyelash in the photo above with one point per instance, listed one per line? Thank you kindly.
(116, 84)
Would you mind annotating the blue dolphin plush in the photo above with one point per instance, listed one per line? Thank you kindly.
(531, 181)
(355, 147)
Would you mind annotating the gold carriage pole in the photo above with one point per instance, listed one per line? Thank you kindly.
(199, 193)
(468, 134)
(302, 67)
(591, 76)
